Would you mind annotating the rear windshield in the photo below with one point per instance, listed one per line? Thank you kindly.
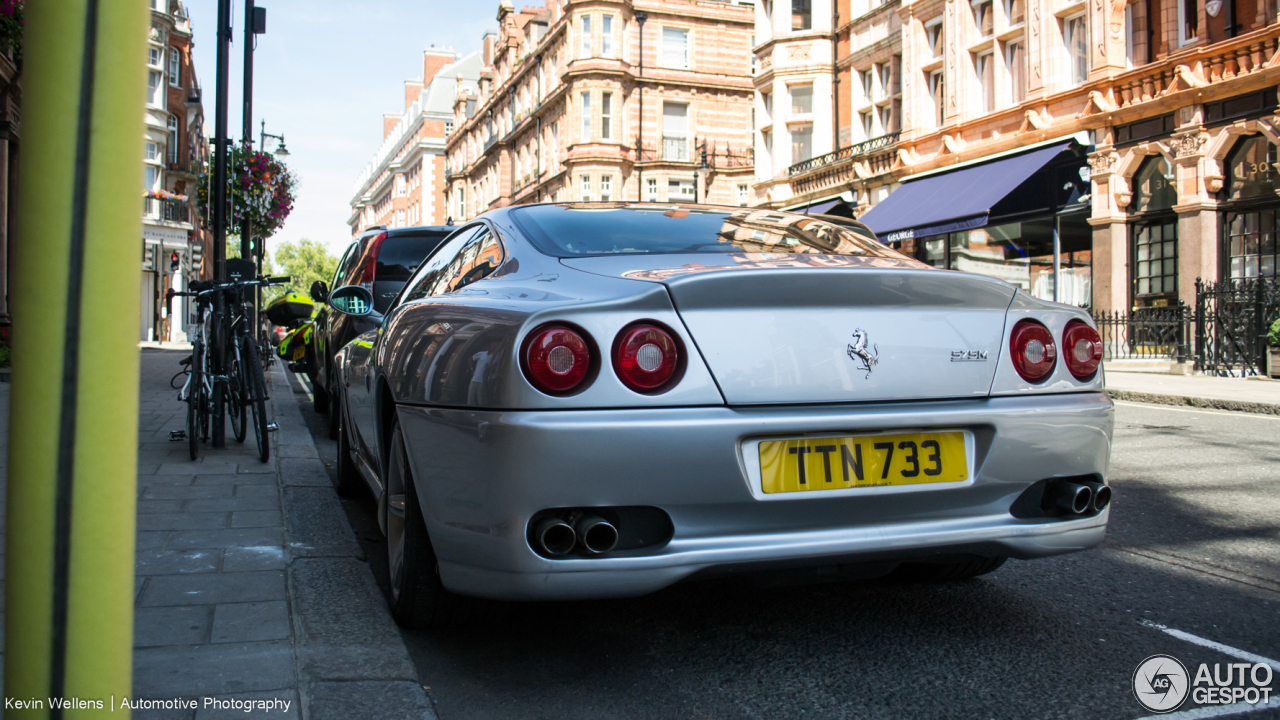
(648, 229)
(400, 255)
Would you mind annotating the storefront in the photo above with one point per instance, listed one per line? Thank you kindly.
(1250, 210)
(1021, 218)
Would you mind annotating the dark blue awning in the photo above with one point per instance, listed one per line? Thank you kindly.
(954, 201)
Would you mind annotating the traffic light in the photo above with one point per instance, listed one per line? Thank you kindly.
(197, 257)
(175, 261)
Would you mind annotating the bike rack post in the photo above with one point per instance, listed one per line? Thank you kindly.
(73, 447)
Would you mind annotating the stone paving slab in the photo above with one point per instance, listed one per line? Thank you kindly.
(249, 582)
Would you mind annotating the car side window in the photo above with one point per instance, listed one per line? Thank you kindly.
(433, 267)
(476, 260)
(344, 266)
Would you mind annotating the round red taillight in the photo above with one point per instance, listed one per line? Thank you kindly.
(1082, 347)
(646, 358)
(1031, 346)
(556, 359)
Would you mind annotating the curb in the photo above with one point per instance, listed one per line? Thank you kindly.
(350, 658)
(1197, 402)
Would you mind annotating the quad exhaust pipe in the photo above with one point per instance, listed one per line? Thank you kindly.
(596, 534)
(592, 533)
(1079, 498)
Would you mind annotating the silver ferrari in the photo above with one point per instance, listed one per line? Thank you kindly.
(603, 399)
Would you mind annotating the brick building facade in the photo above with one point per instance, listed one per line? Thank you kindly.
(1145, 134)
(404, 183)
(174, 240)
(606, 100)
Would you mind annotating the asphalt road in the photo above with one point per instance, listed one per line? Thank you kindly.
(1193, 545)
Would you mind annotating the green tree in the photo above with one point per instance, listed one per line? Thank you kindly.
(305, 261)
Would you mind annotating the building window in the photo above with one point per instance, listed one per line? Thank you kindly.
(585, 182)
(679, 190)
(448, 128)
(886, 117)
(1251, 236)
(933, 32)
(606, 116)
(884, 72)
(868, 125)
(743, 191)
(1015, 61)
(982, 18)
(154, 55)
(153, 151)
(1016, 11)
(175, 65)
(586, 36)
(150, 177)
(586, 116)
(462, 202)
(801, 143)
(675, 132)
(400, 185)
(864, 79)
(400, 218)
(173, 140)
(155, 96)
(985, 66)
(801, 99)
(675, 48)
(651, 190)
(937, 92)
(1155, 262)
(606, 188)
(606, 36)
(1076, 35)
(1188, 21)
(801, 15)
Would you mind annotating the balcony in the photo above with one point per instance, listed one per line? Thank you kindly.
(863, 148)
(165, 210)
(866, 159)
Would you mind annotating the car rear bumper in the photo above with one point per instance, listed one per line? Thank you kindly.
(482, 475)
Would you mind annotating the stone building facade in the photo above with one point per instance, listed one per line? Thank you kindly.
(404, 183)
(175, 243)
(1138, 139)
(607, 100)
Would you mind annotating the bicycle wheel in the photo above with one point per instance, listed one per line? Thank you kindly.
(194, 388)
(256, 392)
(235, 389)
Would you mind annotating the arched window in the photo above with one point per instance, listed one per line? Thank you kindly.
(1153, 262)
(1252, 224)
(1251, 169)
(1153, 186)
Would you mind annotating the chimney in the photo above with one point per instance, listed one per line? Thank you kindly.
(433, 61)
(412, 88)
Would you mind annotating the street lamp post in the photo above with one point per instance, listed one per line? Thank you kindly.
(702, 174)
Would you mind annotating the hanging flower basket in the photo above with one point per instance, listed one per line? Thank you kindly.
(259, 188)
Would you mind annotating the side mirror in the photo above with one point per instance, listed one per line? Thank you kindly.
(355, 301)
(319, 291)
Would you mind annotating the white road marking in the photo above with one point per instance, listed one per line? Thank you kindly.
(1212, 711)
(1203, 642)
(1171, 408)
(306, 386)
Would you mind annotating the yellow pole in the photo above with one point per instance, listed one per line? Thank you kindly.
(74, 402)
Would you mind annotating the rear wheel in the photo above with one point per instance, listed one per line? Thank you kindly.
(969, 567)
(417, 597)
(195, 393)
(236, 388)
(257, 396)
(347, 480)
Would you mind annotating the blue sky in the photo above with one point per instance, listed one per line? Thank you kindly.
(324, 74)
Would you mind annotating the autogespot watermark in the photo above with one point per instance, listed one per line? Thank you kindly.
(1162, 684)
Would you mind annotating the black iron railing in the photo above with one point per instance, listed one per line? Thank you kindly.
(1232, 319)
(1145, 333)
(862, 148)
(166, 209)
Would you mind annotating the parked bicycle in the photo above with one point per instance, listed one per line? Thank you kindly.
(226, 336)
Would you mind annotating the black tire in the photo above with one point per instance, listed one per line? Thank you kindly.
(964, 569)
(235, 389)
(195, 399)
(347, 480)
(257, 396)
(322, 400)
(416, 596)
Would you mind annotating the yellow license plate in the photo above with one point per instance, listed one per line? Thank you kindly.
(836, 463)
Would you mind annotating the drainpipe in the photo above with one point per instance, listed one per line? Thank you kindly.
(835, 76)
(640, 16)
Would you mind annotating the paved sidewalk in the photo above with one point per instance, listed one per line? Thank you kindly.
(250, 583)
(1241, 394)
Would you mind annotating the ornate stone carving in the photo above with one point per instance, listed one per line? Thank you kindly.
(1100, 163)
(798, 52)
(1187, 145)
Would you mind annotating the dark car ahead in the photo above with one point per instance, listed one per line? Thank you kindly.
(381, 260)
